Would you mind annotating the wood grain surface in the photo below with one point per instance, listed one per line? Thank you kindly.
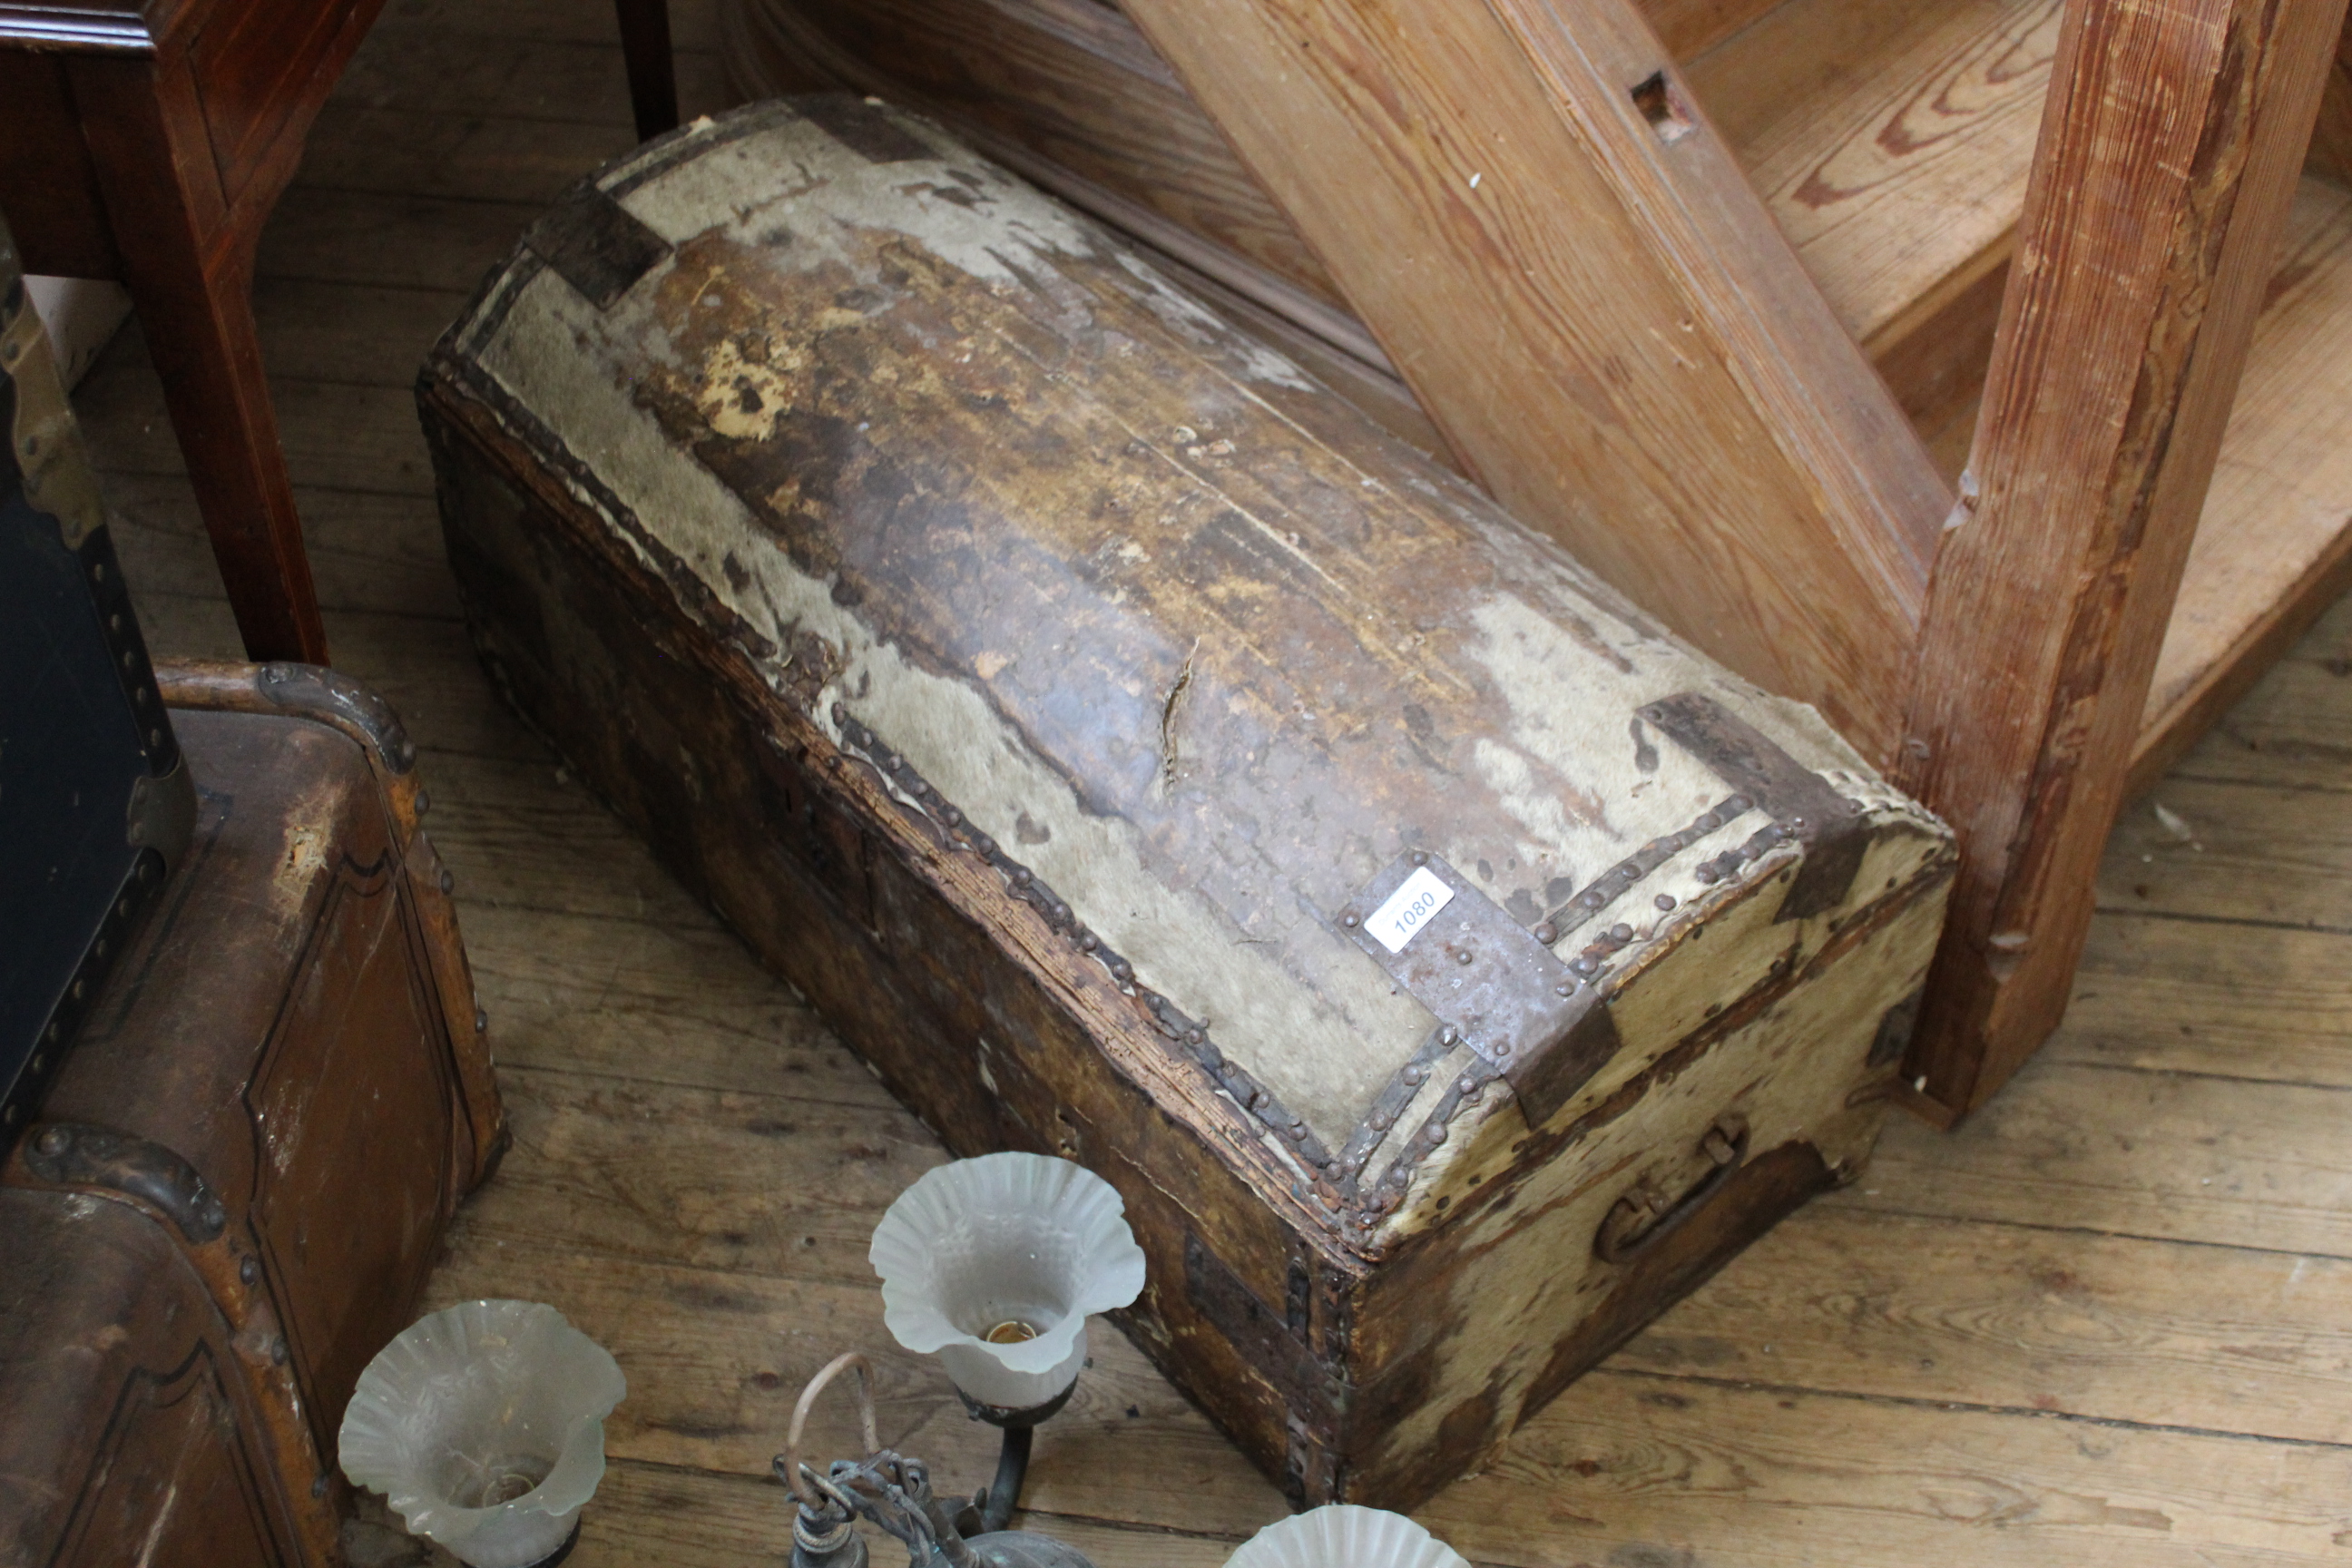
(2331, 139)
(1891, 141)
(2174, 137)
(1647, 361)
(2109, 1386)
(2274, 544)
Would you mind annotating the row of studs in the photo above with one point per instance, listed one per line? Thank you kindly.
(1336, 1186)
(1620, 878)
(1587, 967)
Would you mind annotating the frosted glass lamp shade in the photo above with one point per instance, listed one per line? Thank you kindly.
(483, 1424)
(1342, 1535)
(994, 1263)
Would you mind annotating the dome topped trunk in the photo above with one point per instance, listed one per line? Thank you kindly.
(1144, 759)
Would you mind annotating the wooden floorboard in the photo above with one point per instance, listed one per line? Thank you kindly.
(441, 70)
(654, 1003)
(479, 158)
(336, 435)
(2207, 849)
(2109, 1322)
(395, 240)
(2219, 999)
(2295, 728)
(1991, 1315)
(1641, 1470)
(2124, 1152)
(693, 24)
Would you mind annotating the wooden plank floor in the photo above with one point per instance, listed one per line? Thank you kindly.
(2108, 1322)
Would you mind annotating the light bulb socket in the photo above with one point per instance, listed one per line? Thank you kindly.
(1010, 1418)
(980, 1373)
(994, 1264)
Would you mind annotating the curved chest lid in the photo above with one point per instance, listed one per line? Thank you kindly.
(1315, 741)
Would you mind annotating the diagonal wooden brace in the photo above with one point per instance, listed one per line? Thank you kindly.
(1563, 258)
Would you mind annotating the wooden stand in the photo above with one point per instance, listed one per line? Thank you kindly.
(149, 144)
(2168, 154)
(1609, 250)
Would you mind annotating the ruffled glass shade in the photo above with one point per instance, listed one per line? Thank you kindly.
(483, 1424)
(995, 1262)
(1342, 1535)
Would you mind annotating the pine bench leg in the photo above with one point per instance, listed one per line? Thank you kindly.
(2169, 149)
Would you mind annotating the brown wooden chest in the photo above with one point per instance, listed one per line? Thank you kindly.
(243, 1167)
(1140, 756)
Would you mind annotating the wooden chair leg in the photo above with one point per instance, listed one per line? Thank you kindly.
(190, 281)
(653, 74)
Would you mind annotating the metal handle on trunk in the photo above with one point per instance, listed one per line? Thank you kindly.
(1636, 1222)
